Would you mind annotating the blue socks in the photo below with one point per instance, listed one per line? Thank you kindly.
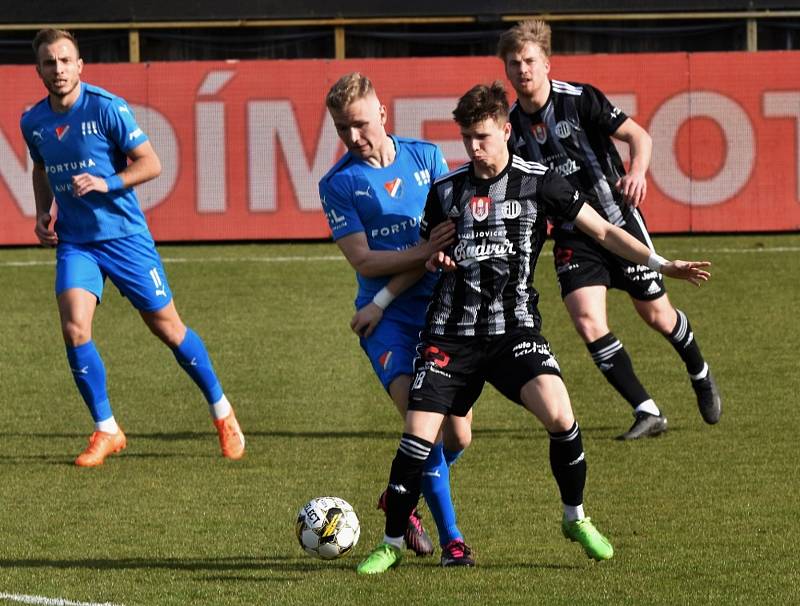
(193, 357)
(436, 489)
(90, 377)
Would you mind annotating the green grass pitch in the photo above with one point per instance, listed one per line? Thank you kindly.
(702, 515)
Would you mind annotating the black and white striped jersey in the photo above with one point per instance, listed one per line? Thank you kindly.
(501, 225)
(571, 134)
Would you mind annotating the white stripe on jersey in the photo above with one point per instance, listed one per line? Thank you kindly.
(455, 171)
(638, 218)
(532, 167)
(565, 87)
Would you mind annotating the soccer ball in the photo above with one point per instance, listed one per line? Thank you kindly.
(327, 527)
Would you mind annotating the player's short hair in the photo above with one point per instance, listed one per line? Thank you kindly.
(350, 87)
(481, 102)
(50, 35)
(536, 31)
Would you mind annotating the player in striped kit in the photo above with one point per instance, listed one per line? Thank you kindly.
(569, 127)
(81, 139)
(483, 324)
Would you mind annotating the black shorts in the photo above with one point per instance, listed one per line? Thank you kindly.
(449, 372)
(580, 261)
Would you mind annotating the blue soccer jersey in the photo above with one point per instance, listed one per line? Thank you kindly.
(93, 137)
(386, 205)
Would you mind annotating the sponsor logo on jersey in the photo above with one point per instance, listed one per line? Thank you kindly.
(539, 132)
(61, 131)
(135, 134)
(566, 168)
(123, 109)
(563, 129)
(360, 193)
(395, 228)
(394, 187)
(436, 356)
(385, 359)
(511, 209)
(615, 112)
(480, 207)
(423, 177)
(89, 128)
(66, 167)
(466, 251)
(38, 134)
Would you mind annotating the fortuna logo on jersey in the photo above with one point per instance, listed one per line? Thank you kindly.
(61, 131)
(480, 207)
(394, 187)
(539, 132)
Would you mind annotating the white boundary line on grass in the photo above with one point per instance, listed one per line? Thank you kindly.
(38, 599)
(304, 259)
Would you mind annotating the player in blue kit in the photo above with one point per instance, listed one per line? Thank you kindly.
(88, 154)
(373, 198)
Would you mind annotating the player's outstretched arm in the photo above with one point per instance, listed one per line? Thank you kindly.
(621, 243)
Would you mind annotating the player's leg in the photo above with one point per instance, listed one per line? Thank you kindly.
(405, 487)
(79, 287)
(547, 398)
(524, 370)
(584, 276)
(661, 316)
(135, 267)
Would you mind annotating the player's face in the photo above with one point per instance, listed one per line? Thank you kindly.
(59, 67)
(527, 70)
(360, 126)
(486, 143)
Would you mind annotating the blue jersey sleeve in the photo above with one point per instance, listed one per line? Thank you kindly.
(121, 127)
(336, 196)
(30, 141)
(439, 165)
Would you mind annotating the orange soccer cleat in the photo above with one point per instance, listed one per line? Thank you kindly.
(231, 438)
(101, 444)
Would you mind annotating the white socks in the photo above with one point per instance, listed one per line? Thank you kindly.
(649, 407)
(572, 513)
(108, 425)
(221, 408)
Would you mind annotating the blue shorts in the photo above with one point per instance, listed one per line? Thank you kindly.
(131, 263)
(391, 349)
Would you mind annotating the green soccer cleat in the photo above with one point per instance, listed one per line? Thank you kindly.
(594, 544)
(383, 558)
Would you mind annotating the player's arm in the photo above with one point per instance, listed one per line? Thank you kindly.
(376, 263)
(621, 243)
(143, 166)
(633, 185)
(43, 197)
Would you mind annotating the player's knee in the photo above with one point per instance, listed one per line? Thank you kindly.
(457, 438)
(589, 327)
(658, 318)
(76, 333)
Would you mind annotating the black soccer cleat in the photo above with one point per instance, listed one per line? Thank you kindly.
(645, 425)
(416, 537)
(457, 553)
(708, 399)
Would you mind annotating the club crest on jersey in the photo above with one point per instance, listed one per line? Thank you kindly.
(480, 207)
(539, 132)
(511, 209)
(563, 129)
(394, 187)
(61, 131)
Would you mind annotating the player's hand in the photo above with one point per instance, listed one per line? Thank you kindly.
(47, 237)
(691, 271)
(440, 260)
(441, 236)
(366, 319)
(84, 183)
(633, 188)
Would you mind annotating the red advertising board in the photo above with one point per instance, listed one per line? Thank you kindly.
(243, 144)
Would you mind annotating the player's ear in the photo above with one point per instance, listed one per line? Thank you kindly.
(507, 130)
(383, 114)
(80, 66)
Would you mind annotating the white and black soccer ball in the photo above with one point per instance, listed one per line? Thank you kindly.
(327, 527)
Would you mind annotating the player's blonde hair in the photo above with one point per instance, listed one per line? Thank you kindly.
(348, 88)
(536, 31)
(50, 35)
